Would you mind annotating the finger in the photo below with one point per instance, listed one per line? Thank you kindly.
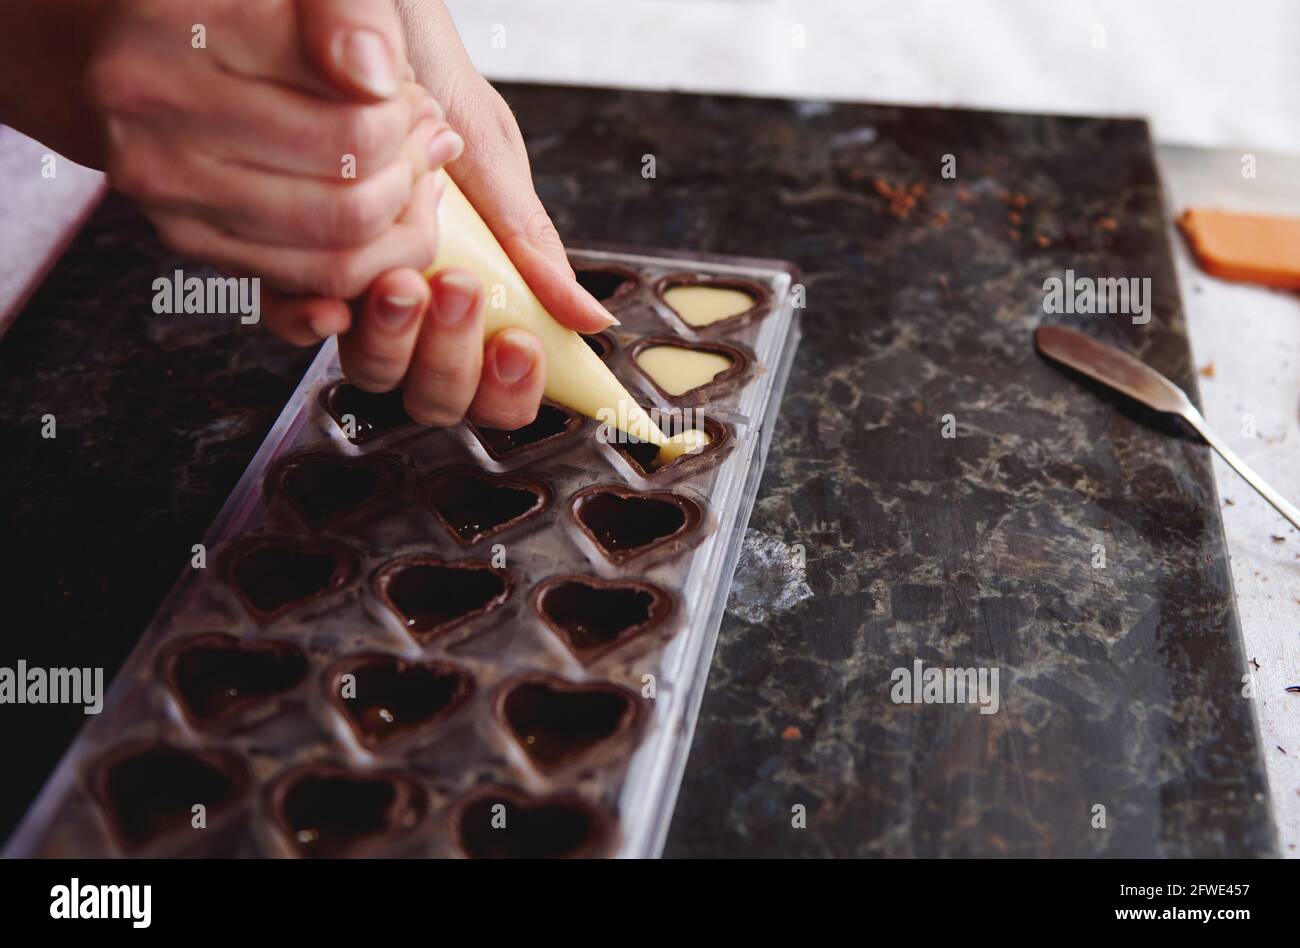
(341, 49)
(294, 211)
(411, 242)
(376, 352)
(495, 176)
(282, 129)
(514, 374)
(448, 356)
(356, 45)
(304, 320)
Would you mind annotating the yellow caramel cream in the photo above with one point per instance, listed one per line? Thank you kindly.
(575, 376)
(678, 371)
(705, 305)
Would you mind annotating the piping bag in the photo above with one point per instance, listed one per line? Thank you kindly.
(575, 376)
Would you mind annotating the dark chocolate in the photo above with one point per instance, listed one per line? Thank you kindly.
(374, 414)
(625, 524)
(642, 456)
(325, 810)
(594, 616)
(607, 282)
(474, 504)
(560, 826)
(216, 676)
(395, 698)
(323, 488)
(728, 378)
(551, 424)
(558, 722)
(148, 789)
(433, 596)
(760, 293)
(273, 575)
(601, 343)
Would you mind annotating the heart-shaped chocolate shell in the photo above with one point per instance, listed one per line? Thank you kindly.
(594, 616)
(216, 676)
(324, 488)
(325, 810)
(474, 504)
(432, 596)
(625, 524)
(388, 698)
(500, 822)
(558, 722)
(273, 575)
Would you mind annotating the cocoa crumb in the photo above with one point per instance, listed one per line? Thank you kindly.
(1207, 370)
(791, 733)
(1042, 240)
(1108, 223)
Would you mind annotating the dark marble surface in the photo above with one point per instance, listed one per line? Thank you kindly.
(1119, 686)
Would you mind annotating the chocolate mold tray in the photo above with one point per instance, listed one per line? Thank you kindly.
(398, 632)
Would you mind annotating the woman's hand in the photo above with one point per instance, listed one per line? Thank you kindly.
(428, 339)
(288, 144)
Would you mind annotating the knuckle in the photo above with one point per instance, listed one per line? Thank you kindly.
(506, 417)
(364, 131)
(351, 217)
(341, 276)
(430, 415)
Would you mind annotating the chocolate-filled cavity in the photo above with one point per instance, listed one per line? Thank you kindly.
(625, 524)
(433, 596)
(373, 414)
(216, 676)
(757, 295)
(328, 811)
(601, 343)
(734, 365)
(607, 283)
(554, 827)
(149, 790)
(551, 424)
(473, 504)
(324, 488)
(557, 722)
(272, 575)
(390, 698)
(594, 616)
(644, 456)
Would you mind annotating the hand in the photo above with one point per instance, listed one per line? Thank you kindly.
(236, 151)
(428, 338)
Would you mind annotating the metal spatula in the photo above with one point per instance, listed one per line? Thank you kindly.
(1139, 381)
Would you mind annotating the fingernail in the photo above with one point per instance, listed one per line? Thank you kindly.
(453, 298)
(364, 56)
(396, 311)
(601, 311)
(514, 359)
(446, 147)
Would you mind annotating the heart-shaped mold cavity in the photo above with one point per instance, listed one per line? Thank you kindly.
(272, 575)
(148, 789)
(500, 822)
(558, 722)
(607, 282)
(326, 810)
(389, 698)
(713, 304)
(323, 488)
(474, 504)
(601, 343)
(625, 524)
(685, 372)
(643, 457)
(216, 676)
(594, 616)
(372, 414)
(551, 425)
(433, 596)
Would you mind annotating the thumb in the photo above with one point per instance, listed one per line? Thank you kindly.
(357, 46)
